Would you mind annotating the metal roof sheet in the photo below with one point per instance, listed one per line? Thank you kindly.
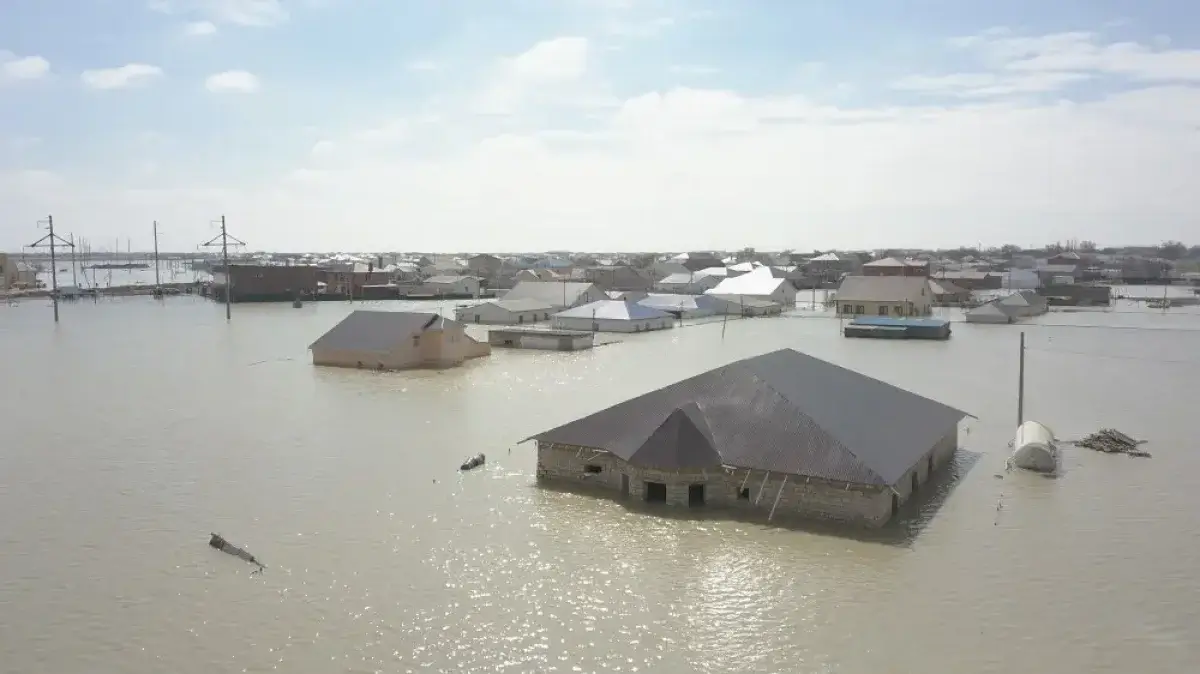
(786, 412)
(613, 310)
(376, 330)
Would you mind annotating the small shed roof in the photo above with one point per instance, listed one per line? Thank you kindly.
(679, 279)
(613, 310)
(783, 411)
(889, 322)
(943, 287)
(376, 330)
(448, 280)
(665, 302)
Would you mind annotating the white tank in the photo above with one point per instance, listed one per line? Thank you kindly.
(1035, 448)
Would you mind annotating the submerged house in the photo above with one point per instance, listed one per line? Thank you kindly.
(505, 312)
(687, 283)
(759, 284)
(612, 316)
(396, 340)
(780, 433)
(558, 294)
(884, 296)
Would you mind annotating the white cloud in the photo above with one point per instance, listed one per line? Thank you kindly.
(200, 28)
(232, 81)
(1081, 51)
(707, 168)
(549, 68)
(13, 67)
(236, 12)
(124, 77)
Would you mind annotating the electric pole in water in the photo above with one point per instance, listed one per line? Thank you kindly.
(157, 282)
(224, 238)
(52, 241)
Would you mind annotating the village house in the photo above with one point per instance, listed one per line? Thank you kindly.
(947, 294)
(687, 283)
(265, 282)
(505, 312)
(396, 340)
(16, 274)
(697, 261)
(801, 450)
(452, 286)
(626, 295)
(970, 279)
(612, 316)
(685, 306)
(441, 265)
(890, 266)
(484, 265)
(558, 294)
(759, 284)
(537, 275)
(1057, 274)
(884, 296)
(619, 277)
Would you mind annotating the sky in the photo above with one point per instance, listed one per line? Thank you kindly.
(605, 125)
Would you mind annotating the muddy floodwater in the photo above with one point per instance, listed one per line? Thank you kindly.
(134, 428)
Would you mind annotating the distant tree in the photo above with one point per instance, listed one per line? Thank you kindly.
(1194, 252)
(644, 261)
(1086, 246)
(1172, 250)
(1008, 250)
(1054, 248)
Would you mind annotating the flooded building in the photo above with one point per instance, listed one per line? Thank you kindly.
(558, 294)
(781, 433)
(759, 284)
(613, 316)
(396, 340)
(884, 296)
(505, 312)
(265, 282)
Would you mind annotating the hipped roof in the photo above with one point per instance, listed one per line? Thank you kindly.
(784, 412)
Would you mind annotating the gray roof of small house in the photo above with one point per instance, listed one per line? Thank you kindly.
(944, 287)
(881, 288)
(784, 412)
(681, 279)
(376, 330)
(520, 304)
(550, 292)
(448, 280)
(613, 310)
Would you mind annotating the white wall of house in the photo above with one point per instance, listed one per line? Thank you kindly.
(612, 324)
(490, 313)
(465, 285)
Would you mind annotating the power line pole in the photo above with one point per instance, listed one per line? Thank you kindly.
(52, 241)
(157, 281)
(224, 238)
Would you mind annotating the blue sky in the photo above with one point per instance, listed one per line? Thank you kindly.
(605, 124)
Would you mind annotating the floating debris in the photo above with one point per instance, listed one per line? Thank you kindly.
(473, 462)
(224, 546)
(1112, 441)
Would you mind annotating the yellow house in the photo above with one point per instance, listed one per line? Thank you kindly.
(396, 340)
(894, 296)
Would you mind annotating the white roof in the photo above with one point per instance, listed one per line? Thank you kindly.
(554, 293)
(758, 282)
(446, 279)
(713, 271)
(668, 302)
(745, 266)
(679, 279)
(827, 257)
(518, 305)
(613, 310)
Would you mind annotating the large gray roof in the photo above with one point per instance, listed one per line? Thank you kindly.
(881, 288)
(554, 293)
(783, 411)
(376, 330)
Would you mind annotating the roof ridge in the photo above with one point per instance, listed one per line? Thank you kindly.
(836, 439)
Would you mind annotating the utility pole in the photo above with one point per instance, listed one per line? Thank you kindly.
(51, 241)
(1021, 385)
(157, 282)
(74, 262)
(224, 238)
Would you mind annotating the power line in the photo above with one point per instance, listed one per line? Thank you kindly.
(1114, 356)
(224, 237)
(52, 241)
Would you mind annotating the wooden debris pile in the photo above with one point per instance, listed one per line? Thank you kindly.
(1112, 441)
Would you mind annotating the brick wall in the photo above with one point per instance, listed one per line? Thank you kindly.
(798, 497)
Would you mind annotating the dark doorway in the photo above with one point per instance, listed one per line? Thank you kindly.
(930, 467)
(916, 481)
(656, 492)
(895, 503)
(695, 495)
(624, 485)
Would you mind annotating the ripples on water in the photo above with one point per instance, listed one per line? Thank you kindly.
(120, 457)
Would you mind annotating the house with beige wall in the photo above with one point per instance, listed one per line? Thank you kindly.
(396, 340)
(16, 273)
(894, 296)
(801, 450)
